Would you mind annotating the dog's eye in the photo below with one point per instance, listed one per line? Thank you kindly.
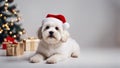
(47, 27)
(56, 28)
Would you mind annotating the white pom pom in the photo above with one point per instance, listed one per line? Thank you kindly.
(66, 25)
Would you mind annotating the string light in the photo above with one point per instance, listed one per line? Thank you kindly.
(5, 25)
(6, 0)
(11, 24)
(14, 11)
(6, 4)
(0, 15)
(4, 17)
(19, 18)
(5, 39)
(24, 31)
(7, 28)
(6, 8)
(16, 20)
(10, 32)
(14, 36)
(20, 32)
(1, 30)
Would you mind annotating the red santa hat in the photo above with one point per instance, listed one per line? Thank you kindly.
(58, 19)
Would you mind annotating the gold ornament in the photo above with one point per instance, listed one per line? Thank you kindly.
(1, 31)
(6, 4)
(3, 25)
(10, 32)
(6, 0)
(23, 31)
(4, 17)
(6, 9)
(20, 32)
(18, 18)
(14, 36)
(7, 28)
(0, 15)
(11, 24)
(14, 11)
(5, 39)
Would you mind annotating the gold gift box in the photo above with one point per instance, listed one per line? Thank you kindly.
(15, 49)
(31, 44)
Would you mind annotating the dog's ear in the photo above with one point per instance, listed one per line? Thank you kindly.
(65, 36)
(40, 33)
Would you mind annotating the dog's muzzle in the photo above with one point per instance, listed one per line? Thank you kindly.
(51, 34)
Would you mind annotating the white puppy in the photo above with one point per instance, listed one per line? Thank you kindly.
(55, 44)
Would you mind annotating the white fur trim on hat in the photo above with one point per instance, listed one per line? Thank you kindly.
(51, 20)
(66, 25)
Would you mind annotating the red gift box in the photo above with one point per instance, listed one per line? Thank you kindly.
(8, 40)
(4, 45)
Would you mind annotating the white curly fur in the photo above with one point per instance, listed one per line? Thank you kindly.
(57, 48)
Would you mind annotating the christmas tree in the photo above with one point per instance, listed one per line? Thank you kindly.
(9, 19)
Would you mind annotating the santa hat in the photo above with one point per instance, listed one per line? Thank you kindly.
(58, 19)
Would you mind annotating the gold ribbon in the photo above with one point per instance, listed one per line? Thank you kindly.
(32, 43)
(10, 49)
(15, 49)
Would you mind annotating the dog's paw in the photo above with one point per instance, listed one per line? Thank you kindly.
(75, 55)
(51, 61)
(34, 59)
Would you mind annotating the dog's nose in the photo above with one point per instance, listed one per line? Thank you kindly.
(51, 32)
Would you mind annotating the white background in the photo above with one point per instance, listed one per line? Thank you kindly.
(94, 23)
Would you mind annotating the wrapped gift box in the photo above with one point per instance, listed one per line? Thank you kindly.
(4, 45)
(7, 40)
(31, 44)
(15, 49)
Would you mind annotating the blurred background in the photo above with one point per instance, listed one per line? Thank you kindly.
(95, 25)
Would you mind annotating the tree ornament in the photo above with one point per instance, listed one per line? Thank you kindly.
(1, 15)
(8, 18)
(10, 32)
(1, 30)
(6, 4)
(23, 31)
(14, 36)
(20, 32)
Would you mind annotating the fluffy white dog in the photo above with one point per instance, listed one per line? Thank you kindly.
(55, 44)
